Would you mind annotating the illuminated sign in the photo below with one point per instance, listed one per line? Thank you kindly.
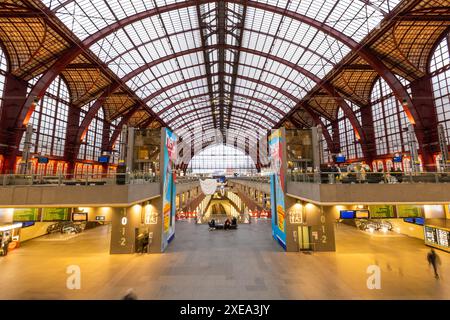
(436, 236)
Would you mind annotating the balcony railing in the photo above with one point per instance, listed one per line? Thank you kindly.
(78, 179)
(186, 179)
(261, 179)
(369, 177)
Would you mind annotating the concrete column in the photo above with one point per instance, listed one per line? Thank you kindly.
(128, 222)
(124, 221)
(319, 219)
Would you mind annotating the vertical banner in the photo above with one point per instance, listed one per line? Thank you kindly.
(278, 184)
(169, 154)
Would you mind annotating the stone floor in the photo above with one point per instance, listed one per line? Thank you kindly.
(235, 264)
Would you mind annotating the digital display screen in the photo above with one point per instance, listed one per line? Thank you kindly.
(418, 221)
(27, 224)
(103, 159)
(362, 214)
(42, 160)
(347, 214)
(340, 159)
(430, 235)
(437, 236)
(442, 236)
(397, 159)
(381, 211)
(79, 216)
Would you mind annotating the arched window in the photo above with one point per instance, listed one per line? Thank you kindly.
(91, 146)
(389, 119)
(3, 70)
(350, 146)
(49, 120)
(441, 83)
(222, 159)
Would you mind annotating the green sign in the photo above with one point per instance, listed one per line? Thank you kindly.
(407, 211)
(55, 214)
(25, 214)
(382, 211)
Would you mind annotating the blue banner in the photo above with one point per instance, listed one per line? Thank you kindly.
(277, 187)
(169, 154)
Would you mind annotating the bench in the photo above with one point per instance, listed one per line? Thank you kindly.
(221, 226)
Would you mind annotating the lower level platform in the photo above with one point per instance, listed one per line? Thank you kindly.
(235, 264)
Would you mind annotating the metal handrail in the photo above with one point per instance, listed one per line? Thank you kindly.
(325, 177)
(77, 179)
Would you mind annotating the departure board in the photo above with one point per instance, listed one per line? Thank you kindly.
(435, 236)
(430, 235)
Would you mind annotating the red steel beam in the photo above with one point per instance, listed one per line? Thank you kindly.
(254, 123)
(364, 52)
(171, 106)
(208, 107)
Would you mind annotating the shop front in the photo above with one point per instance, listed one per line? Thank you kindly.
(9, 237)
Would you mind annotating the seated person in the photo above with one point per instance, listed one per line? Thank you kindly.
(212, 223)
(227, 224)
(233, 223)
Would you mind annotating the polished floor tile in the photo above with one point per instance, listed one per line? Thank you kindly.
(236, 264)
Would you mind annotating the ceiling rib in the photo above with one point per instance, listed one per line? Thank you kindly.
(238, 28)
(206, 30)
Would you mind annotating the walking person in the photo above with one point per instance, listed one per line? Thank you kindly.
(434, 260)
(130, 295)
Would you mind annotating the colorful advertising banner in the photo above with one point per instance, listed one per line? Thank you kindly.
(25, 214)
(381, 211)
(277, 185)
(169, 155)
(409, 210)
(55, 214)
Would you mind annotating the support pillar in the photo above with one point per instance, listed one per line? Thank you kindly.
(71, 150)
(106, 146)
(427, 134)
(369, 132)
(314, 220)
(335, 135)
(14, 96)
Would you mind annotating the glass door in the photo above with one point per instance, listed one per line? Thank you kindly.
(304, 238)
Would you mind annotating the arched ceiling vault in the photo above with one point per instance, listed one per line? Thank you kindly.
(221, 64)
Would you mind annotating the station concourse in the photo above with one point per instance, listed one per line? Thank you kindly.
(228, 149)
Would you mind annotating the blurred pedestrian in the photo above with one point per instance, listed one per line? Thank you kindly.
(130, 295)
(434, 261)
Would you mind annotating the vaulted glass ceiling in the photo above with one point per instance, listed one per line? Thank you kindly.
(221, 64)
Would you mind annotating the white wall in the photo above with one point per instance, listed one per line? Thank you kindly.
(408, 229)
(39, 229)
(6, 215)
(434, 212)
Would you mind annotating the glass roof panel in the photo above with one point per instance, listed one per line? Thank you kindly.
(150, 54)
